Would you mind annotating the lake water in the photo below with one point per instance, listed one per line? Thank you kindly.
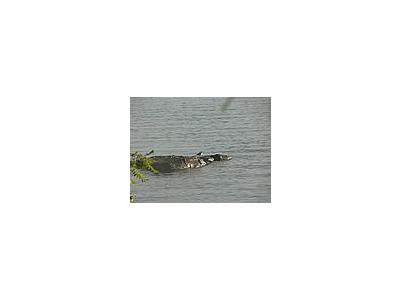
(239, 127)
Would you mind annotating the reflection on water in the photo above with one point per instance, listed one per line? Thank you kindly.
(239, 127)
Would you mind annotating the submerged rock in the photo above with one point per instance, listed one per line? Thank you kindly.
(170, 163)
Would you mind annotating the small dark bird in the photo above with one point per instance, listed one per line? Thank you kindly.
(200, 153)
(151, 152)
(226, 104)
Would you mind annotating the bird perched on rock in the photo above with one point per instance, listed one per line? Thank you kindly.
(151, 152)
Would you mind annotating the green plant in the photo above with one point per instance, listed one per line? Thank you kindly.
(139, 162)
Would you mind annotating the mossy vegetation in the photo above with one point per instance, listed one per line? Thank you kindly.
(139, 163)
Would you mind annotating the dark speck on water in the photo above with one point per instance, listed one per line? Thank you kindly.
(238, 127)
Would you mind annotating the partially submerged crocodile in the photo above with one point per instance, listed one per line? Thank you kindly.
(170, 163)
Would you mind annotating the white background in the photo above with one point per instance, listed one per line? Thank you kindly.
(67, 72)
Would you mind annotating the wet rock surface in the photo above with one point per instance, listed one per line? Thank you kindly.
(170, 163)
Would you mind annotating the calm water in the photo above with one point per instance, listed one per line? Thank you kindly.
(186, 126)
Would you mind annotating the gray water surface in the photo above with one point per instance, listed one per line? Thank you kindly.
(239, 127)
